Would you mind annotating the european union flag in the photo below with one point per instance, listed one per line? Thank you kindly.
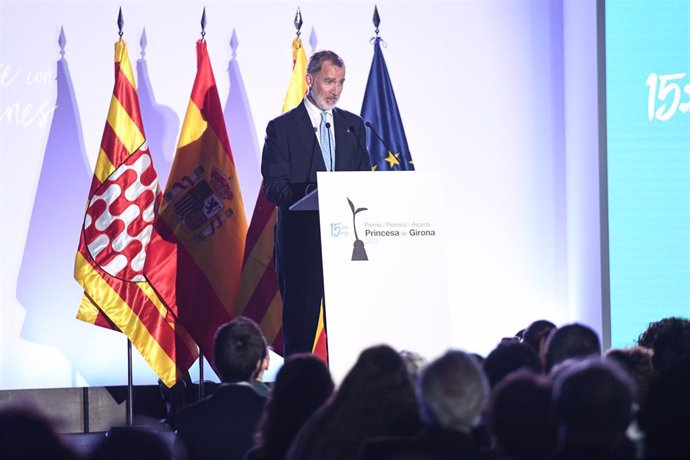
(386, 140)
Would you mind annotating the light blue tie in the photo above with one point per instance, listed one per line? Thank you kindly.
(326, 143)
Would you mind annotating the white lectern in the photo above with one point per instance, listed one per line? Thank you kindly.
(384, 261)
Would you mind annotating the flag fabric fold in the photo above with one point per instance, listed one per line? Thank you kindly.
(380, 109)
(115, 236)
(195, 259)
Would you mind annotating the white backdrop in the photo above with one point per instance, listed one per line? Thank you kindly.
(482, 87)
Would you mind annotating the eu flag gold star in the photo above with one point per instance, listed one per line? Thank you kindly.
(392, 159)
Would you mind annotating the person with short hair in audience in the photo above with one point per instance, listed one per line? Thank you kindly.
(637, 362)
(302, 385)
(27, 434)
(452, 391)
(671, 344)
(376, 398)
(646, 339)
(593, 404)
(223, 424)
(664, 416)
(519, 416)
(509, 357)
(535, 336)
(570, 341)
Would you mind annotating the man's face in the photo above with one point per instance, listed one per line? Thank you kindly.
(326, 85)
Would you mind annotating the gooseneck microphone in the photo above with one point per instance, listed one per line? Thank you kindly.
(330, 147)
(369, 125)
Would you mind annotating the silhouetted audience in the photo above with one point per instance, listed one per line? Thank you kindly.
(665, 414)
(509, 357)
(570, 341)
(452, 391)
(26, 434)
(593, 402)
(223, 424)
(376, 398)
(535, 336)
(127, 443)
(637, 362)
(520, 416)
(302, 385)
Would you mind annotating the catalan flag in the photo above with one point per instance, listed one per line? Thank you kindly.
(380, 110)
(195, 264)
(259, 294)
(115, 236)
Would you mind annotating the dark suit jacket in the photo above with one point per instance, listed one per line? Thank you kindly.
(291, 157)
(221, 425)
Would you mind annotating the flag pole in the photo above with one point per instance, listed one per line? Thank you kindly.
(130, 385)
(129, 407)
(201, 355)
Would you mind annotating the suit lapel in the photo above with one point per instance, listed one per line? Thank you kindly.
(306, 135)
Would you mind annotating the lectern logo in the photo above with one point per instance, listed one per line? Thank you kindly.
(358, 251)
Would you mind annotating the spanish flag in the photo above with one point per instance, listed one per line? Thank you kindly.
(196, 256)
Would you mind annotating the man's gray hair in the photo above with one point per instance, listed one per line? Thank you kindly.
(452, 390)
(317, 59)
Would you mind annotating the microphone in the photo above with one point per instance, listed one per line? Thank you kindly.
(368, 125)
(330, 147)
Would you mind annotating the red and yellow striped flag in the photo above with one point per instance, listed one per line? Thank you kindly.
(118, 226)
(195, 260)
(259, 296)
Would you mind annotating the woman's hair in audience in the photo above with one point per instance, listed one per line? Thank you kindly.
(376, 398)
(302, 385)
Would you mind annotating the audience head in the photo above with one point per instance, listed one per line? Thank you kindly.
(593, 403)
(570, 341)
(646, 339)
(240, 350)
(664, 416)
(414, 363)
(637, 362)
(302, 385)
(453, 390)
(125, 443)
(507, 358)
(27, 434)
(671, 344)
(520, 416)
(535, 336)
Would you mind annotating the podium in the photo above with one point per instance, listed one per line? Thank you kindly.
(384, 262)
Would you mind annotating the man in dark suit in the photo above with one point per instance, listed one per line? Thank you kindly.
(223, 424)
(314, 136)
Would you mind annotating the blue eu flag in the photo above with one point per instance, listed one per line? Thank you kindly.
(386, 140)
